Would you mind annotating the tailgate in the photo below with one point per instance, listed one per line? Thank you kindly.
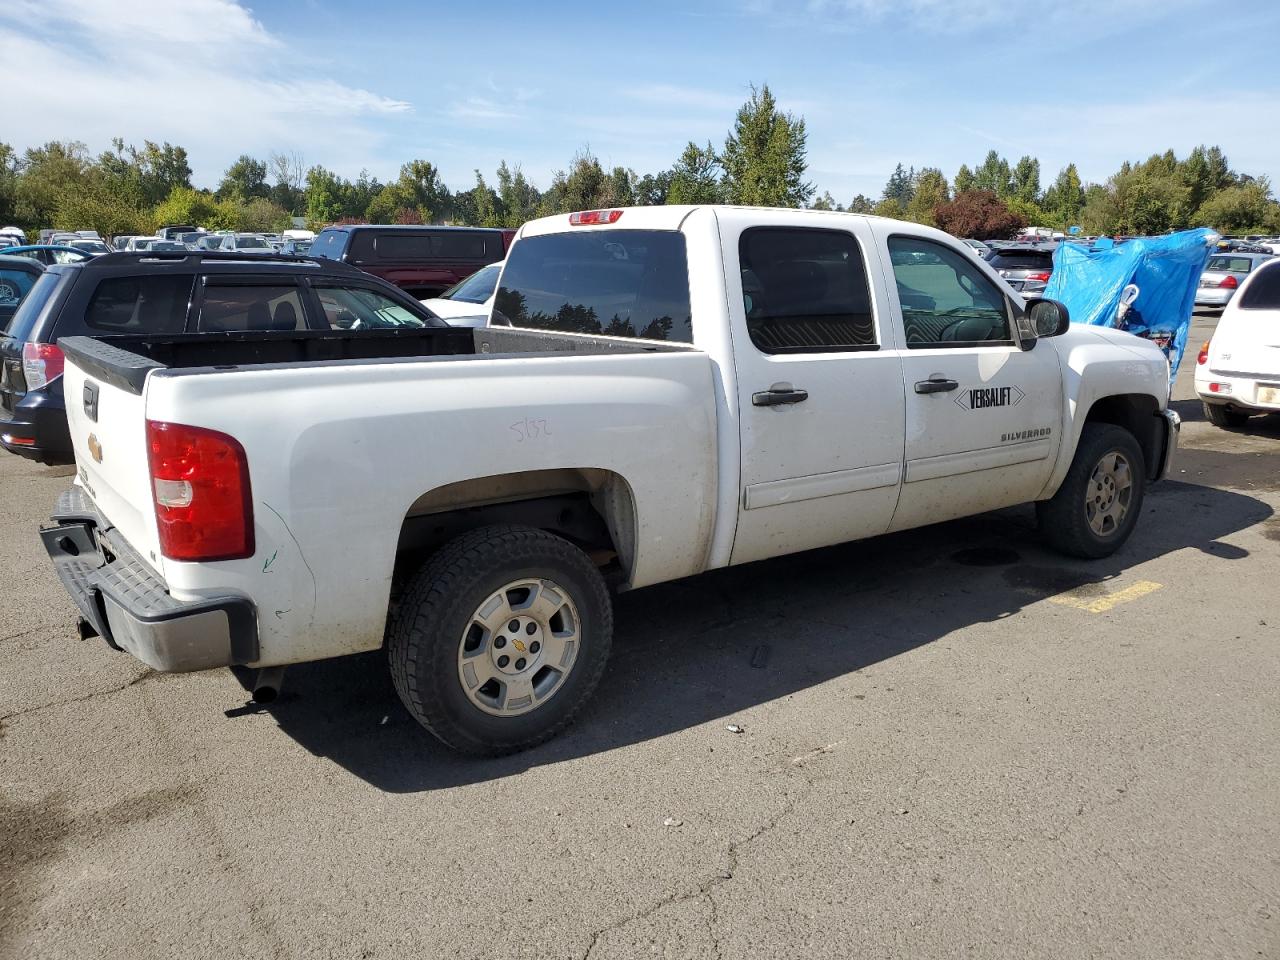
(108, 434)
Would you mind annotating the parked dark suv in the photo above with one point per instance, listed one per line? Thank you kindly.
(424, 261)
(201, 294)
(1025, 267)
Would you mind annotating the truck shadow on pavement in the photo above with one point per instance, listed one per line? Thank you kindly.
(702, 650)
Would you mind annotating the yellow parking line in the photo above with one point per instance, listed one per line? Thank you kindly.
(1086, 598)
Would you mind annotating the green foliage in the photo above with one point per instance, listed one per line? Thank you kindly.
(929, 191)
(964, 179)
(244, 180)
(901, 186)
(1025, 180)
(48, 174)
(861, 204)
(890, 208)
(517, 198)
(696, 176)
(764, 155)
(995, 176)
(186, 205)
(1247, 208)
(826, 202)
(1063, 201)
(978, 214)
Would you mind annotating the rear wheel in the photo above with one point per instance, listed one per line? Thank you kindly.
(1222, 416)
(1098, 504)
(500, 638)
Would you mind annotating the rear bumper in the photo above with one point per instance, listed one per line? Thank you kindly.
(37, 428)
(129, 606)
(1239, 393)
(1213, 296)
(1172, 428)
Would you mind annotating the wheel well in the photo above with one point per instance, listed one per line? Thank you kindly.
(1135, 412)
(591, 508)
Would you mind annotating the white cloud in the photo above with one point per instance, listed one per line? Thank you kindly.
(204, 74)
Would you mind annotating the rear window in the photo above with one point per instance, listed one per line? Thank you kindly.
(1263, 291)
(330, 243)
(1230, 264)
(251, 243)
(431, 246)
(155, 304)
(625, 283)
(1021, 261)
(20, 324)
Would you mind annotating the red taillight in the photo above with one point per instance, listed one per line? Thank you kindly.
(1204, 353)
(42, 363)
(1042, 277)
(1229, 282)
(588, 217)
(200, 485)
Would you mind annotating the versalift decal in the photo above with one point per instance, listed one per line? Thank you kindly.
(983, 398)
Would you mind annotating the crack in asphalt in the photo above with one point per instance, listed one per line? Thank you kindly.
(147, 674)
(704, 890)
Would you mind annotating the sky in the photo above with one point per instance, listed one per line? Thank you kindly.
(878, 82)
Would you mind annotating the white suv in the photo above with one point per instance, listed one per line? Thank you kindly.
(1238, 370)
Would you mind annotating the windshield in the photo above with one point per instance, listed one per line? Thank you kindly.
(477, 288)
(24, 318)
(624, 283)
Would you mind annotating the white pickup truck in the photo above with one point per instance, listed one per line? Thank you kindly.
(681, 388)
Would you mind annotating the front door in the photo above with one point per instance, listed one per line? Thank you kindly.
(819, 386)
(983, 416)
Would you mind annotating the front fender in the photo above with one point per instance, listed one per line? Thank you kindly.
(1099, 363)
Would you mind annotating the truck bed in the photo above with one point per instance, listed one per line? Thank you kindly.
(125, 362)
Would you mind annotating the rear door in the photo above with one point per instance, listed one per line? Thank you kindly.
(983, 416)
(819, 385)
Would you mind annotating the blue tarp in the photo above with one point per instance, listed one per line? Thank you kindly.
(1165, 270)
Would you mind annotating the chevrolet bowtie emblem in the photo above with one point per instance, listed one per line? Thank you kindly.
(95, 448)
(519, 645)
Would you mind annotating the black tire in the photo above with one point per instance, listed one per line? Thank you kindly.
(432, 614)
(1222, 416)
(1064, 520)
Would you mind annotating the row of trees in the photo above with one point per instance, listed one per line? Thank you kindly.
(1157, 195)
(761, 162)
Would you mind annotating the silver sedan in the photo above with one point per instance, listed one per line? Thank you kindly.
(1223, 274)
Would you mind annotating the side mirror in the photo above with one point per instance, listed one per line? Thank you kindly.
(1049, 318)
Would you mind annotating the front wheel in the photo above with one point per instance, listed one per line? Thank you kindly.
(1222, 416)
(1098, 504)
(500, 638)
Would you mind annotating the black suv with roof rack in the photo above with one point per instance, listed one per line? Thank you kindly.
(190, 294)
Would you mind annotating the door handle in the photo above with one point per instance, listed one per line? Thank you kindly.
(777, 395)
(935, 385)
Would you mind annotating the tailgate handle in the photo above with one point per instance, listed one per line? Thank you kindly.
(91, 400)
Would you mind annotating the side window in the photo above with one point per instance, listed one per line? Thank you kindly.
(358, 308)
(251, 307)
(946, 300)
(154, 304)
(805, 291)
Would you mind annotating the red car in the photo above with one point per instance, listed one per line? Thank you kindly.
(423, 261)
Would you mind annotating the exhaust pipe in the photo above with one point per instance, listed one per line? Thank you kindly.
(266, 686)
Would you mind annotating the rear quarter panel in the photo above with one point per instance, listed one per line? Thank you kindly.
(338, 453)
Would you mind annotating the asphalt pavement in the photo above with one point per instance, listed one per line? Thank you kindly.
(943, 743)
